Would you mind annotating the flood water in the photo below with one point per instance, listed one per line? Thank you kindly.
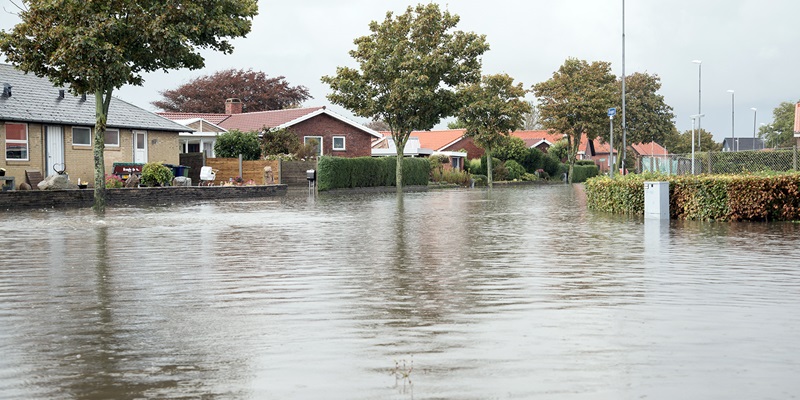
(515, 294)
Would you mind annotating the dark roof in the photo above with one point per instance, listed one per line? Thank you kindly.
(742, 144)
(36, 100)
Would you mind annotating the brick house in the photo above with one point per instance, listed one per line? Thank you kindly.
(337, 135)
(43, 127)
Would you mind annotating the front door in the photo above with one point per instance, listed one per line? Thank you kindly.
(139, 147)
(55, 149)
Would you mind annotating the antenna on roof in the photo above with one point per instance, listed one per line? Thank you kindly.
(7, 90)
(83, 97)
(60, 94)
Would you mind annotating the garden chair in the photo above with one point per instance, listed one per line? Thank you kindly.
(207, 176)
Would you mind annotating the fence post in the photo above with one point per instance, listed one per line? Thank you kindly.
(709, 162)
(794, 158)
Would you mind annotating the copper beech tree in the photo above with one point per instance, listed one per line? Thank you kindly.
(258, 92)
(408, 70)
(95, 47)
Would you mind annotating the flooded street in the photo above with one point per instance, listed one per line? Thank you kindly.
(516, 294)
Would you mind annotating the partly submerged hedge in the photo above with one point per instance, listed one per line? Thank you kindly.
(340, 172)
(580, 173)
(761, 197)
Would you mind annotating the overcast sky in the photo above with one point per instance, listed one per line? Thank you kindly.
(749, 46)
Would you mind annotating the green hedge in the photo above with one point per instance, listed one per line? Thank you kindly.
(758, 197)
(580, 173)
(340, 172)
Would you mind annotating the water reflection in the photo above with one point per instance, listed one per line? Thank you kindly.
(513, 293)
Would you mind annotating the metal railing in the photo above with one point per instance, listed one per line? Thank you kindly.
(719, 162)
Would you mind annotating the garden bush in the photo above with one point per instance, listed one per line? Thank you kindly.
(514, 170)
(231, 144)
(580, 173)
(156, 174)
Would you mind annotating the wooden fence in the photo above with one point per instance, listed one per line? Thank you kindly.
(229, 168)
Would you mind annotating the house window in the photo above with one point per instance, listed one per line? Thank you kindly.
(338, 143)
(82, 136)
(455, 162)
(315, 141)
(16, 142)
(112, 138)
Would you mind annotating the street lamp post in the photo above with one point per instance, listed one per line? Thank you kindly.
(733, 133)
(699, 94)
(695, 118)
(624, 122)
(755, 111)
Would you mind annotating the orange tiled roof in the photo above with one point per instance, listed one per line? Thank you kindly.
(536, 136)
(649, 149)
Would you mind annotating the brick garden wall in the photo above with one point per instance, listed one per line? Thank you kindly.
(79, 198)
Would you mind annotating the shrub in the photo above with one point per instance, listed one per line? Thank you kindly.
(473, 166)
(114, 182)
(450, 175)
(511, 148)
(156, 174)
(533, 160)
(231, 144)
(279, 141)
(551, 165)
(514, 170)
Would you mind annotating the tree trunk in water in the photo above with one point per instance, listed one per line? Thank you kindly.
(489, 167)
(400, 146)
(102, 102)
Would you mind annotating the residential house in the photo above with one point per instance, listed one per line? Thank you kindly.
(652, 156)
(45, 128)
(450, 143)
(742, 144)
(202, 139)
(540, 139)
(595, 149)
(335, 134)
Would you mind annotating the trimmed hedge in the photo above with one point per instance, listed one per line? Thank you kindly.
(580, 173)
(761, 197)
(340, 172)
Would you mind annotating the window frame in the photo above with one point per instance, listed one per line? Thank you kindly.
(26, 142)
(73, 136)
(344, 143)
(319, 139)
(105, 141)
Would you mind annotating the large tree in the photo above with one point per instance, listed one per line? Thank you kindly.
(574, 101)
(647, 116)
(491, 110)
(681, 143)
(95, 47)
(780, 133)
(408, 71)
(258, 92)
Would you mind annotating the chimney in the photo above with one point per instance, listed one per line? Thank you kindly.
(233, 106)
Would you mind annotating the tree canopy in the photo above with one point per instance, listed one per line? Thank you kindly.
(780, 133)
(408, 70)
(647, 116)
(257, 91)
(681, 143)
(232, 143)
(95, 47)
(574, 101)
(492, 109)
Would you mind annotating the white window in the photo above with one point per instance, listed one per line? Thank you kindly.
(112, 138)
(338, 143)
(82, 136)
(316, 141)
(16, 141)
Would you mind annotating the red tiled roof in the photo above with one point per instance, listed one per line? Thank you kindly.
(434, 140)
(649, 149)
(254, 121)
(176, 116)
(537, 136)
(246, 122)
